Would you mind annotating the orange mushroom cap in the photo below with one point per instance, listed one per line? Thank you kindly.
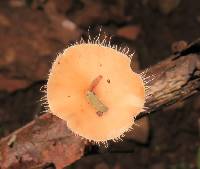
(120, 89)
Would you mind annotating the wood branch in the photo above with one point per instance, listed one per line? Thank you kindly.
(44, 140)
(47, 139)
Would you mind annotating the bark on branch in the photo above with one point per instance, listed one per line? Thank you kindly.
(47, 139)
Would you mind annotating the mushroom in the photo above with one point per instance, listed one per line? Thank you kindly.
(93, 88)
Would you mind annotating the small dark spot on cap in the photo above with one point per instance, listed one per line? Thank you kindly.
(100, 65)
(108, 80)
(68, 96)
(99, 113)
(58, 62)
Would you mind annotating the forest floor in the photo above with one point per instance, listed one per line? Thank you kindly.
(32, 32)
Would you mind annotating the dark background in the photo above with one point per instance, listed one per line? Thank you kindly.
(33, 32)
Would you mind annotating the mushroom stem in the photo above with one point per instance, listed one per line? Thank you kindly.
(93, 99)
(95, 102)
(95, 82)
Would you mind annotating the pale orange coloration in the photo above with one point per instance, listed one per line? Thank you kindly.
(120, 89)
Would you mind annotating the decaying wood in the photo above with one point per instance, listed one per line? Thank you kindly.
(47, 139)
(44, 140)
(179, 78)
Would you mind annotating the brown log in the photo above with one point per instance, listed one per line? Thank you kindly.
(44, 140)
(47, 139)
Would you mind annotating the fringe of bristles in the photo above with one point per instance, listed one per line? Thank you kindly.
(125, 50)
